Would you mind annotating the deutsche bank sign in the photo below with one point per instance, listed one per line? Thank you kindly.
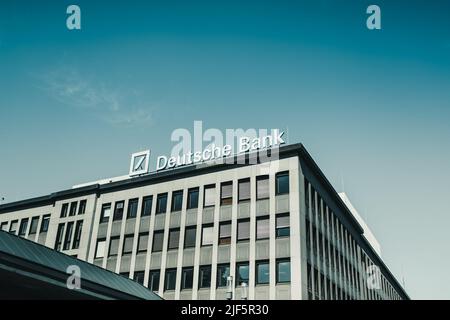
(140, 161)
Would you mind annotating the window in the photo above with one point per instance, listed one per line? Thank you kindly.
(262, 272)
(262, 228)
(118, 211)
(68, 237)
(147, 206)
(225, 232)
(209, 196)
(187, 277)
(106, 213)
(174, 238)
(73, 208)
(153, 280)
(170, 280)
(204, 277)
(4, 226)
(244, 190)
(100, 250)
(125, 274)
(23, 227)
(283, 270)
(132, 208)
(207, 235)
(223, 272)
(64, 210)
(243, 232)
(13, 226)
(114, 246)
(282, 225)
(242, 273)
(142, 242)
(189, 237)
(226, 193)
(45, 223)
(161, 203)
(139, 277)
(128, 244)
(82, 207)
(78, 231)
(262, 187)
(282, 183)
(59, 236)
(192, 198)
(34, 225)
(177, 200)
(158, 238)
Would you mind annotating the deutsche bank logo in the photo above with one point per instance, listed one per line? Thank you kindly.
(139, 163)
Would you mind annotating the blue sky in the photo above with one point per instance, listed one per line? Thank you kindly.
(372, 107)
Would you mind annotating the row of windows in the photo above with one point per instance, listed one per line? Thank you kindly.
(282, 229)
(209, 196)
(262, 275)
(23, 226)
(71, 210)
(70, 239)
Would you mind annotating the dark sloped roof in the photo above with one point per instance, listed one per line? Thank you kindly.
(57, 262)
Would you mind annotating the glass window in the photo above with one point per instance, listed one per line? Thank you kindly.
(223, 272)
(34, 225)
(282, 225)
(128, 244)
(4, 226)
(118, 211)
(262, 228)
(225, 232)
(177, 200)
(82, 207)
(100, 250)
(242, 273)
(174, 238)
(68, 237)
(139, 277)
(226, 193)
(146, 206)
(209, 196)
(153, 280)
(59, 237)
(106, 213)
(132, 208)
(142, 242)
(158, 238)
(262, 187)
(78, 231)
(192, 198)
(114, 246)
(243, 229)
(73, 209)
(161, 203)
(45, 223)
(262, 272)
(187, 277)
(283, 270)
(23, 227)
(13, 226)
(207, 235)
(170, 280)
(282, 183)
(64, 209)
(189, 237)
(244, 189)
(204, 277)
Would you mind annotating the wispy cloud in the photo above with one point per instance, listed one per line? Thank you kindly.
(114, 105)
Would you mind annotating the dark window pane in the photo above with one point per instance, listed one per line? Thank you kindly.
(189, 237)
(23, 227)
(45, 223)
(114, 246)
(174, 238)
(68, 237)
(223, 271)
(128, 244)
(170, 280)
(82, 208)
(118, 210)
(78, 231)
(161, 203)
(106, 213)
(244, 189)
(13, 226)
(262, 272)
(34, 225)
(282, 183)
(59, 236)
(192, 198)
(187, 276)
(64, 210)
(210, 196)
(177, 201)
(132, 208)
(139, 277)
(243, 229)
(147, 206)
(262, 187)
(225, 233)
(204, 277)
(153, 280)
(158, 238)
(242, 273)
(262, 228)
(73, 209)
(283, 271)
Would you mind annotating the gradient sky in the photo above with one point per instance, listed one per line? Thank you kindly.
(372, 107)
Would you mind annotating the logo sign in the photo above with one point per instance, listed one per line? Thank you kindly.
(139, 163)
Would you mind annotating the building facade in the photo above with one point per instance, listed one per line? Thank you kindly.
(276, 225)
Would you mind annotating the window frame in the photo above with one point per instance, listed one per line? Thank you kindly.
(190, 192)
(227, 239)
(257, 271)
(134, 201)
(145, 201)
(172, 205)
(100, 240)
(125, 238)
(159, 198)
(240, 182)
(208, 226)
(175, 246)
(277, 185)
(105, 206)
(201, 270)
(259, 219)
(278, 228)
(243, 220)
(258, 180)
(277, 272)
(194, 228)
(226, 200)
(158, 232)
(183, 278)
(116, 216)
